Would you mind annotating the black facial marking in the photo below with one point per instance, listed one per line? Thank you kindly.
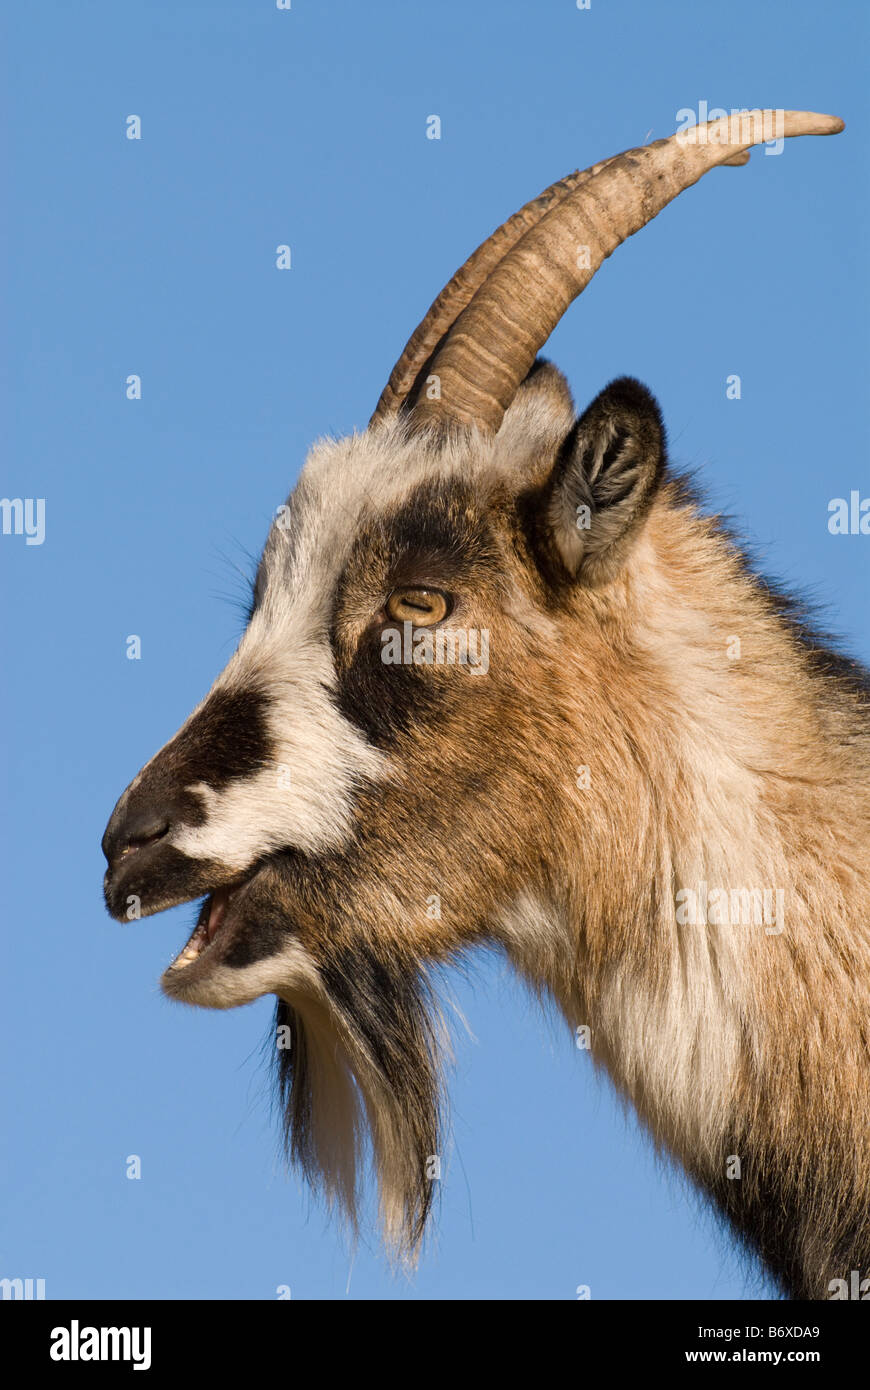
(386, 701)
(227, 740)
(439, 537)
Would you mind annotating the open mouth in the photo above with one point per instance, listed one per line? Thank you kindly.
(209, 925)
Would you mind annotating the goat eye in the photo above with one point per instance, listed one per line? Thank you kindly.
(423, 607)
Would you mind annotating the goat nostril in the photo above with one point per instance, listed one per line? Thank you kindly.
(148, 837)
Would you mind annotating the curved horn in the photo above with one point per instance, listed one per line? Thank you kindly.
(493, 342)
(459, 291)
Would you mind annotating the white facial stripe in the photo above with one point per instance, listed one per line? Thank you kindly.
(304, 797)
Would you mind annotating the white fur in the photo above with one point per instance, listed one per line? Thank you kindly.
(671, 1049)
(228, 987)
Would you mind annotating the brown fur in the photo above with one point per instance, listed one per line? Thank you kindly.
(745, 771)
(748, 771)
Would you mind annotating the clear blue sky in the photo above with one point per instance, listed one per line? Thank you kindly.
(157, 257)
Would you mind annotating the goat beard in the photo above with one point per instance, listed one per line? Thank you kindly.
(358, 1064)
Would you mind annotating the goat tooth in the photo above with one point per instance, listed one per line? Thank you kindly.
(189, 954)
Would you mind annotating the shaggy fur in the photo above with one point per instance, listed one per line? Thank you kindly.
(724, 746)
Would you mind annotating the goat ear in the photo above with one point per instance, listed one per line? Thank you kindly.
(604, 481)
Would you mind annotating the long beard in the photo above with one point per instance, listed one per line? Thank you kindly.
(362, 1067)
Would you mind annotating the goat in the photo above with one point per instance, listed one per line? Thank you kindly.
(353, 819)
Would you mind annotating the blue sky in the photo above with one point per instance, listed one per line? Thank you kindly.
(157, 257)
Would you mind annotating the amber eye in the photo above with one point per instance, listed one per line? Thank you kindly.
(423, 607)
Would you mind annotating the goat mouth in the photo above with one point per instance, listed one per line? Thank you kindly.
(209, 925)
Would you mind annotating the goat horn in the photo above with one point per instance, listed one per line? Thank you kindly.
(522, 281)
(459, 291)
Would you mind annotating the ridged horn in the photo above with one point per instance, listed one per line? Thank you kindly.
(459, 291)
(524, 280)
